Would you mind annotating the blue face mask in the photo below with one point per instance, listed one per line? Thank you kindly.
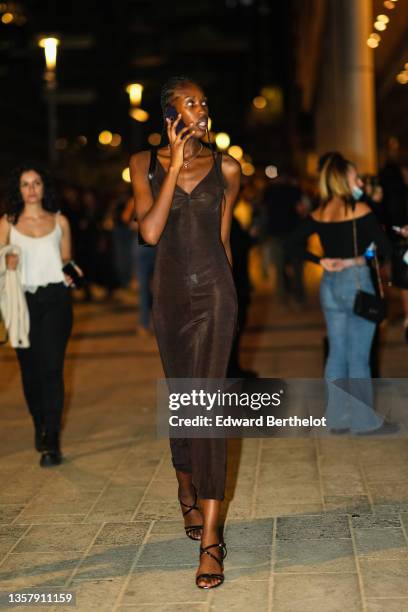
(357, 192)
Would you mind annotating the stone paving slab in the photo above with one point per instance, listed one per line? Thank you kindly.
(39, 569)
(314, 556)
(385, 578)
(48, 538)
(94, 594)
(381, 543)
(311, 525)
(399, 604)
(312, 592)
(107, 562)
(172, 585)
(350, 504)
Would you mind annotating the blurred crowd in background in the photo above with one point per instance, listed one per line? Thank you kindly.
(106, 244)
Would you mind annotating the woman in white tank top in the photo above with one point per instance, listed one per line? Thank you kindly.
(33, 223)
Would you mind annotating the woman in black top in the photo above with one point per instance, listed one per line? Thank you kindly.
(345, 270)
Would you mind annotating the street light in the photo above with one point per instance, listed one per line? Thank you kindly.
(50, 44)
(50, 50)
(135, 91)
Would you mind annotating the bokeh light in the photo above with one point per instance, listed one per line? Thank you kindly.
(402, 78)
(126, 175)
(50, 45)
(372, 42)
(236, 152)
(135, 91)
(138, 114)
(380, 26)
(116, 140)
(105, 137)
(222, 140)
(248, 169)
(259, 102)
(271, 171)
(7, 18)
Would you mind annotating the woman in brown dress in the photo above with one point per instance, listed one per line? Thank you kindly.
(187, 210)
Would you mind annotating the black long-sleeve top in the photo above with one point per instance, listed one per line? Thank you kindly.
(337, 239)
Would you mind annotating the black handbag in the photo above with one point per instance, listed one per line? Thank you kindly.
(367, 305)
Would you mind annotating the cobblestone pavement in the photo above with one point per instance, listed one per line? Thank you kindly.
(312, 525)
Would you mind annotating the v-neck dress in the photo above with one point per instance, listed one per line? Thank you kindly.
(195, 310)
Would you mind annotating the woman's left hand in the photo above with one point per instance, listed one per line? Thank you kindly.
(69, 280)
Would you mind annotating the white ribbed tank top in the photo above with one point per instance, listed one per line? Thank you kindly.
(41, 262)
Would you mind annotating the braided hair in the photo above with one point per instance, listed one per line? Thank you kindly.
(167, 94)
(169, 89)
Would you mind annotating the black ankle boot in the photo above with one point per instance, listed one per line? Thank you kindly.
(51, 454)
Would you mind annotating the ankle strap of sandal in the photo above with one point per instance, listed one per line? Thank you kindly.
(190, 508)
(221, 546)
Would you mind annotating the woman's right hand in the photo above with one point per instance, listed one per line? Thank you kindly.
(332, 264)
(11, 261)
(177, 142)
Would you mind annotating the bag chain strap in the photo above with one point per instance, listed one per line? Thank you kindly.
(377, 267)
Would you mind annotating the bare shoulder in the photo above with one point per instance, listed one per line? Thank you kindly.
(231, 168)
(63, 221)
(317, 213)
(139, 161)
(362, 209)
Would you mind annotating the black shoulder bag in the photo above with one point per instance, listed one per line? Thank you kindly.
(366, 305)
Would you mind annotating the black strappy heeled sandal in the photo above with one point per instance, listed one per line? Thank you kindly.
(219, 577)
(191, 528)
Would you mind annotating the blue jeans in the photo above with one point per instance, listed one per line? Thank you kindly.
(350, 397)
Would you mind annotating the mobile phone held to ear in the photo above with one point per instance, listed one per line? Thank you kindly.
(172, 114)
(70, 270)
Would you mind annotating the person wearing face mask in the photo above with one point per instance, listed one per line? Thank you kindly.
(350, 336)
(361, 193)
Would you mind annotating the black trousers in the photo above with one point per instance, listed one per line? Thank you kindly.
(42, 365)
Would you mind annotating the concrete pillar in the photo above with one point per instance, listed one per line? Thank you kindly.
(345, 100)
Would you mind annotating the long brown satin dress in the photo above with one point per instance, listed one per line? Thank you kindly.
(195, 311)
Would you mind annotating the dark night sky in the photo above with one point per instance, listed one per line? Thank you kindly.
(231, 47)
